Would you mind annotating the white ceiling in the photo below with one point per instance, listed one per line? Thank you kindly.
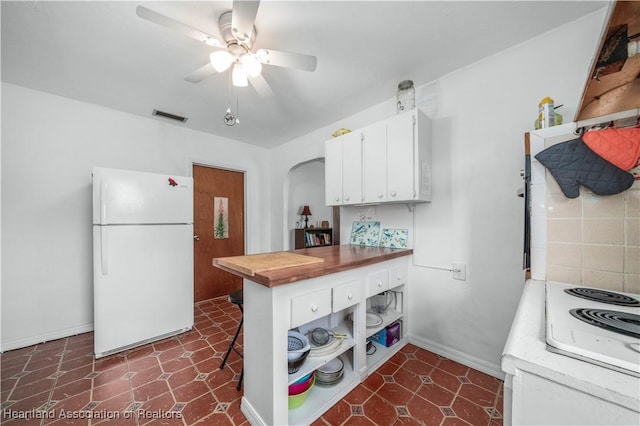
(103, 53)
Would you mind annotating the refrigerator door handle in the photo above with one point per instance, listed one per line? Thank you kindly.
(104, 266)
(103, 203)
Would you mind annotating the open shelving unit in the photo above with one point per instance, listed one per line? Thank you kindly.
(313, 237)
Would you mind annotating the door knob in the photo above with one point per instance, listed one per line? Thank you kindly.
(196, 237)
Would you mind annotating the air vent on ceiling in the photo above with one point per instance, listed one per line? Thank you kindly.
(170, 116)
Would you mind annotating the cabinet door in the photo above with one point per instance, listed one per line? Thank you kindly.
(352, 168)
(401, 157)
(374, 159)
(333, 172)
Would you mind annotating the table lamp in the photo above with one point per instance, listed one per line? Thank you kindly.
(306, 213)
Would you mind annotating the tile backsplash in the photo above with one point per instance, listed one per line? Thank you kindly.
(594, 240)
(590, 240)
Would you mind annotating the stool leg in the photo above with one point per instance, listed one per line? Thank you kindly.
(240, 379)
(233, 342)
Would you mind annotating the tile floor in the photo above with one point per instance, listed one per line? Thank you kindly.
(177, 381)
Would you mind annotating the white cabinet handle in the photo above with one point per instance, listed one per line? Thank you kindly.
(337, 198)
(379, 283)
(393, 193)
(346, 198)
(380, 195)
(399, 278)
(349, 296)
(314, 308)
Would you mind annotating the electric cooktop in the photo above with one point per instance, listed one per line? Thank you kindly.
(594, 325)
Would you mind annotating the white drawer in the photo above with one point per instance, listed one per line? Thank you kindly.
(378, 282)
(397, 276)
(310, 306)
(346, 295)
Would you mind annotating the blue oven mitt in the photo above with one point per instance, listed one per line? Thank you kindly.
(572, 164)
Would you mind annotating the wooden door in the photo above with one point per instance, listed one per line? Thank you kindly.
(218, 226)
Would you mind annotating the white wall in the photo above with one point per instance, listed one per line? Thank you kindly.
(49, 146)
(306, 187)
(480, 115)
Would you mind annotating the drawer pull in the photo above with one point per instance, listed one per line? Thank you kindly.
(379, 283)
(399, 277)
(349, 296)
(314, 308)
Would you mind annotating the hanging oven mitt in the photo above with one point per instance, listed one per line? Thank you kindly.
(572, 164)
(620, 147)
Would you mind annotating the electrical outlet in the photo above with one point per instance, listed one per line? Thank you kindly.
(459, 271)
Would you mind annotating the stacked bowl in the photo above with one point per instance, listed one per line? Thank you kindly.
(299, 390)
(330, 373)
(296, 400)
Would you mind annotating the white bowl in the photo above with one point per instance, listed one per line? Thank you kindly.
(331, 369)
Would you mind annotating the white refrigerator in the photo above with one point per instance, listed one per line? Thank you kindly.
(142, 258)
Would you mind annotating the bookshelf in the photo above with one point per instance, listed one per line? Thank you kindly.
(313, 237)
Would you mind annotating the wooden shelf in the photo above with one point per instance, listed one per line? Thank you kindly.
(313, 237)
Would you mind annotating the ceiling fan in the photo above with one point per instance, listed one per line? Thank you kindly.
(237, 36)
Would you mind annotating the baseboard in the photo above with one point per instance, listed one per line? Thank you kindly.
(457, 356)
(250, 413)
(46, 337)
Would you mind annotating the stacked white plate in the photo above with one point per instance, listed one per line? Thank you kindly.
(328, 348)
(330, 373)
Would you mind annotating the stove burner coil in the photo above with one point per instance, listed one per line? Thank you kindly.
(604, 296)
(618, 322)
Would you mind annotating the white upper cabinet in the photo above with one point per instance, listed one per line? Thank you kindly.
(343, 169)
(374, 163)
(393, 164)
(333, 172)
(401, 158)
(352, 168)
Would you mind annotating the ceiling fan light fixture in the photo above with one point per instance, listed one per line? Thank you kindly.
(239, 75)
(263, 55)
(221, 60)
(251, 64)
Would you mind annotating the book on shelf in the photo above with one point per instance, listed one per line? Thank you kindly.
(313, 239)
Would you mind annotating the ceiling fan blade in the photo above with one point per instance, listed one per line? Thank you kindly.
(201, 73)
(243, 17)
(262, 87)
(287, 59)
(178, 26)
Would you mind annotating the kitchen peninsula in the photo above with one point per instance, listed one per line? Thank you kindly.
(333, 290)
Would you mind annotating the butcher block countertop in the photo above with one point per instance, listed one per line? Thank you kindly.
(305, 263)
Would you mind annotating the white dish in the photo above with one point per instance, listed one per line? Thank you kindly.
(373, 320)
(326, 350)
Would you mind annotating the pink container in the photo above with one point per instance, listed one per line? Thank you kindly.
(298, 388)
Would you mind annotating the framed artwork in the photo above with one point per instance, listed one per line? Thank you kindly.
(221, 218)
(394, 238)
(365, 233)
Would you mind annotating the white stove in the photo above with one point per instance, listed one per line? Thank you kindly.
(594, 325)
